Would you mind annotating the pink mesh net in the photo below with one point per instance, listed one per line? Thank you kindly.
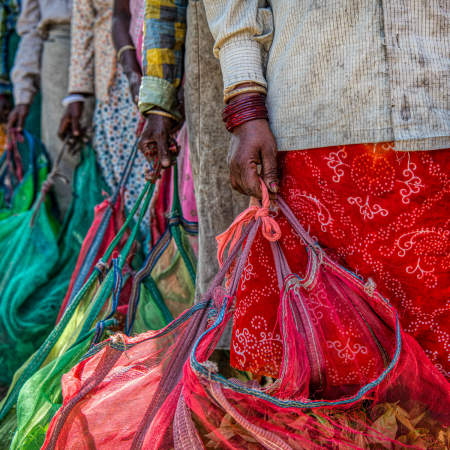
(161, 390)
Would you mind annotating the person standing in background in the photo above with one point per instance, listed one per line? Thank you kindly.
(9, 41)
(42, 61)
(127, 33)
(168, 24)
(349, 101)
(95, 72)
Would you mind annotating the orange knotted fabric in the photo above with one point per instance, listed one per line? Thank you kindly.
(269, 227)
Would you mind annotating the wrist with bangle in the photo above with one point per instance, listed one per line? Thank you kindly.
(229, 94)
(159, 112)
(73, 98)
(123, 49)
(242, 109)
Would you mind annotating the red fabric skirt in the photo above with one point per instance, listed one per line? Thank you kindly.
(384, 215)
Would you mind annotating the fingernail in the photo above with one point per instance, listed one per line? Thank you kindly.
(274, 187)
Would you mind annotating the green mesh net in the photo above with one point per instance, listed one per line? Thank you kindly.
(37, 384)
(165, 286)
(23, 168)
(36, 261)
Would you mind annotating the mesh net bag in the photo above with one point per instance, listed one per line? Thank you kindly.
(108, 219)
(38, 261)
(23, 168)
(165, 285)
(29, 254)
(37, 384)
(161, 389)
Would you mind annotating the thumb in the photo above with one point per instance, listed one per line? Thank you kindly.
(163, 151)
(12, 119)
(21, 121)
(270, 171)
(75, 125)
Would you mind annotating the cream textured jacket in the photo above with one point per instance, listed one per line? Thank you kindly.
(342, 71)
(36, 18)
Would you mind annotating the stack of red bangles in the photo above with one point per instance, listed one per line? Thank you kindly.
(244, 109)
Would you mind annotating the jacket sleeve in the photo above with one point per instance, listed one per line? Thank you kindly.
(243, 32)
(82, 62)
(163, 54)
(27, 65)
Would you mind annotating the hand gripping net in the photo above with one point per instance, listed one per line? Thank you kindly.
(159, 390)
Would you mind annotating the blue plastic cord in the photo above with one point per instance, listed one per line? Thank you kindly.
(290, 403)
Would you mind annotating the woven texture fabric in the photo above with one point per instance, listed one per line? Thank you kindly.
(23, 168)
(341, 72)
(29, 255)
(188, 404)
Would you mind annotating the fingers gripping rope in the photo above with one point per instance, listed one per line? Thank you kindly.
(269, 226)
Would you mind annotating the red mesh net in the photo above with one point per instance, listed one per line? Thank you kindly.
(108, 219)
(160, 390)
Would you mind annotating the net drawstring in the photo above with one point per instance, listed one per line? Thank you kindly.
(269, 226)
(50, 180)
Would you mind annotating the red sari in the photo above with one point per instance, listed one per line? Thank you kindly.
(384, 215)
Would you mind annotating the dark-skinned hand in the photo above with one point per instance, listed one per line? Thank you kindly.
(133, 72)
(134, 81)
(5, 107)
(253, 154)
(17, 117)
(70, 129)
(156, 140)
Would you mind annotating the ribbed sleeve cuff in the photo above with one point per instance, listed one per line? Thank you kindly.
(158, 92)
(241, 61)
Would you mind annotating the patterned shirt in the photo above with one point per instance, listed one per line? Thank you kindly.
(163, 54)
(93, 58)
(9, 10)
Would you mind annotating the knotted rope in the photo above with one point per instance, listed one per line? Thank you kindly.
(269, 226)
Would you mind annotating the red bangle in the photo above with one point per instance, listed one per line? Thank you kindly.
(244, 109)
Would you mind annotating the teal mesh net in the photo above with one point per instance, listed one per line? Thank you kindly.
(36, 261)
(37, 384)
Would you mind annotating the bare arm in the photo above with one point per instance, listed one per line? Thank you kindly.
(121, 37)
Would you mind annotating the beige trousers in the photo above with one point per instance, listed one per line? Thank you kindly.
(54, 84)
(217, 203)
